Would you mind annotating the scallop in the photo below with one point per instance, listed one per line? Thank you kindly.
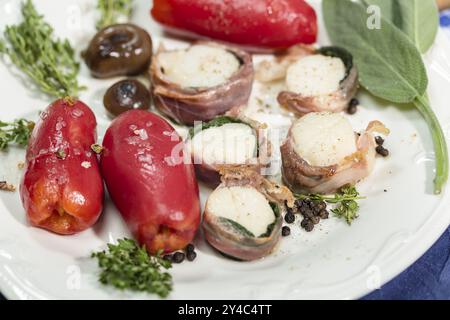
(319, 80)
(315, 75)
(323, 139)
(245, 206)
(201, 82)
(243, 216)
(322, 153)
(227, 141)
(208, 66)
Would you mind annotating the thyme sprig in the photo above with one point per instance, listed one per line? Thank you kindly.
(345, 201)
(111, 11)
(48, 61)
(17, 132)
(126, 265)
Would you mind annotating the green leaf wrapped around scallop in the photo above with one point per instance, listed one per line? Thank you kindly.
(316, 80)
(243, 216)
(227, 141)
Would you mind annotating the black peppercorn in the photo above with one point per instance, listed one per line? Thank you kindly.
(191, 255)
(307, 225)
(353, 106)
(289, 218)
(322, 205)
(289, 210)
(190, 247)
(382, 151)
(315, 220)
(316, 209)
(324, 214)
(308, 213)
(178, 257)
(379, 141)
(285, 231)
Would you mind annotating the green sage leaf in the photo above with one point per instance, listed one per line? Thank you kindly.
(418, 19)
(390, 65)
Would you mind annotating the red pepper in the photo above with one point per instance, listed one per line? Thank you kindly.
(62, 190)
(154, 189)
(266, 24)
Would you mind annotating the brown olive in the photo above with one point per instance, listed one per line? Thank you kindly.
(119, 50)
(126, 95)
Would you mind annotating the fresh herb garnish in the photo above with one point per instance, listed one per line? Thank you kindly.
(113, 11)
(237, 227)
(341, 53)
(245, 232)
(97, 148)
(418, 19)
(61, 154)
(216, 122)
(49, 62)
(345, 200)
(128, 266)
(390, 66)
(17, 132)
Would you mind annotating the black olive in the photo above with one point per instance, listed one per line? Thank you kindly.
(126, 95)
(119, 50)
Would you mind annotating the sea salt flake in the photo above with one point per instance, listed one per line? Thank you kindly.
(142, 133)
(77, 113)
(86, 164)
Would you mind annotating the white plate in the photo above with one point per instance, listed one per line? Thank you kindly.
(334, 261)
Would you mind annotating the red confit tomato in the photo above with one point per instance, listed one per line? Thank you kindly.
(263, 24)
(154, 189)
(62, 190)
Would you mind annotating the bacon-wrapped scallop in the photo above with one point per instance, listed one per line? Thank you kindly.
(243, 216)
(201, 82)
(316, 80)
(227, 141)
(322, 153)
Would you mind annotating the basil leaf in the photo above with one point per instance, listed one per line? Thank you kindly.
(418, 19)
(390, 66)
